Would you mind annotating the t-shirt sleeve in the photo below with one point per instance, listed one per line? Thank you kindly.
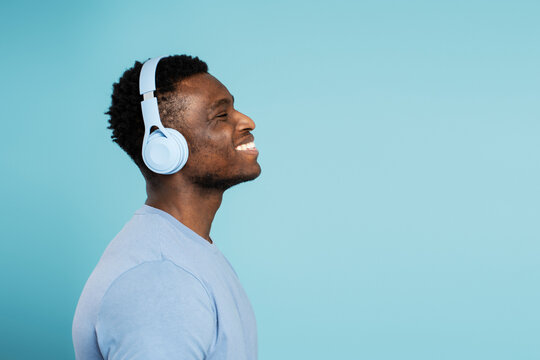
(156, 311)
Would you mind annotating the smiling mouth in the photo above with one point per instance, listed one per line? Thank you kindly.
(250, 146)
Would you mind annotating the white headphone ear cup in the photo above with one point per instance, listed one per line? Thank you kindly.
(165, 154)
(183, 149)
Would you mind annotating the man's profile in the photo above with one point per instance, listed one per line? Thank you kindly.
(162, 289)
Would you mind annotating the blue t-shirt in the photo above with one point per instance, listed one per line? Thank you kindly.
(162, 292)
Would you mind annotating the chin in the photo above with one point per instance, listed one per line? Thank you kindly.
(256, 172)
(213, 181)
(243, 178)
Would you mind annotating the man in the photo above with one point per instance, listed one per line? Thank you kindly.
(162, 289)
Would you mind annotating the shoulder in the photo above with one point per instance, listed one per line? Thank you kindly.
(156, 303)
(148, 279)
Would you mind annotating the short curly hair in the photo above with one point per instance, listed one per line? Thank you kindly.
(125, 116)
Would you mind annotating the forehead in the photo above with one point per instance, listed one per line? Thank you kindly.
(203, 88)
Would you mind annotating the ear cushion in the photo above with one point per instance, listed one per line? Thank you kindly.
(182, 145)
(165, 155)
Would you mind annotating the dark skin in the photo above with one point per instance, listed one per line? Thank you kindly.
(213, 129)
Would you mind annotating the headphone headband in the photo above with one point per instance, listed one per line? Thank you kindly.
(147, 79)
(147, 86)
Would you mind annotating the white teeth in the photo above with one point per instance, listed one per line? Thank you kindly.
(247, 146)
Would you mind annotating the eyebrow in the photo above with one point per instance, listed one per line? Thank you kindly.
(216, 104)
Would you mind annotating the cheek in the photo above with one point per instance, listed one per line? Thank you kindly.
(211, 151)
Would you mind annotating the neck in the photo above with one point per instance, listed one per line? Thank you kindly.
(192, 205)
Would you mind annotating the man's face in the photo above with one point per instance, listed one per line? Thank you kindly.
(221, 149)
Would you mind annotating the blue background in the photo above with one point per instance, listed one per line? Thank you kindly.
(397, 216)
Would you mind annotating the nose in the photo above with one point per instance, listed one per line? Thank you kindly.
(245, 123)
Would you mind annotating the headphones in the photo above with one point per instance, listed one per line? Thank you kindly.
(164, 151)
